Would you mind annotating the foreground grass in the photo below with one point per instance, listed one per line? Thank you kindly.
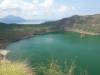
(15, 68)
(53, 68)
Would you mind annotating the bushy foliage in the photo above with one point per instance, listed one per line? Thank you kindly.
(53, 68)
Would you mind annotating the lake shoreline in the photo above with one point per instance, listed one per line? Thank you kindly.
(4, 44)
(82, 32)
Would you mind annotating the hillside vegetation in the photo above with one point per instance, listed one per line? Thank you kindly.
(13, 33)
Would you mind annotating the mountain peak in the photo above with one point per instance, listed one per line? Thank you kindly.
(11, 19)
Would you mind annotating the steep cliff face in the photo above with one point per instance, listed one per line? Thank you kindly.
(88, 23)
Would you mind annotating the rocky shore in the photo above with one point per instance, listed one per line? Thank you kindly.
(83, 32)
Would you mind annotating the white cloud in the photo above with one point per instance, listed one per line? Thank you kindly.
(35, 9)
(64, 9)
(47, 3)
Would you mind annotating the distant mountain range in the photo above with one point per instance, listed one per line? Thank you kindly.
(18, 20)
(11, 19)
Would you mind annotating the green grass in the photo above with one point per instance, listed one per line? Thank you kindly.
(15, 68)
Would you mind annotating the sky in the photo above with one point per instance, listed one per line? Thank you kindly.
(48, 9)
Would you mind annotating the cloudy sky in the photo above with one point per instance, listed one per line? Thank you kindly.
(48, 9)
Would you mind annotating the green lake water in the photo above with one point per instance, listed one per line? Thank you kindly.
(61, 46)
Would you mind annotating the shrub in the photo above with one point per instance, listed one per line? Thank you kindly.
(53, 68)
